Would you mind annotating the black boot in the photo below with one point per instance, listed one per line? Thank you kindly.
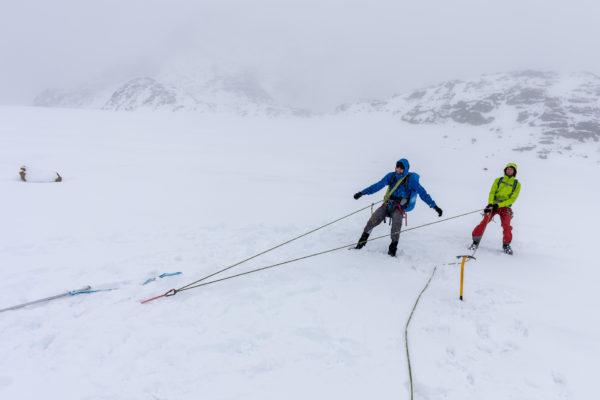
(474, 245)
(507, 249)
(393, 248)
(362, 241)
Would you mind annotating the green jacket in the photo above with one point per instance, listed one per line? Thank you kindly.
(503, 193)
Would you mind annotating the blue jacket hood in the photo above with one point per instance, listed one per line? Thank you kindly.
(404, 162)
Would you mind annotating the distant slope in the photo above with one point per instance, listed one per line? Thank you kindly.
(239, 93)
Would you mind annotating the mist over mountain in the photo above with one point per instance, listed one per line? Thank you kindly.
(201, 91)
(546, 111)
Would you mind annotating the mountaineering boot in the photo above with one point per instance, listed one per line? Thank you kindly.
(507, 249)
(393, 248)
(474, 245)
(362, 241)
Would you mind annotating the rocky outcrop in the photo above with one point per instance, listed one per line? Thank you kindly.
(553, 106)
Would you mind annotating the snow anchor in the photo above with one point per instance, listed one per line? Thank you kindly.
(76, 292)
(45, 299)
(161, 276)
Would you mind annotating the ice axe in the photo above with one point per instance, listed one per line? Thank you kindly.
(462, 272)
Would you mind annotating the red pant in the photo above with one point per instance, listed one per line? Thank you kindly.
(505, 217)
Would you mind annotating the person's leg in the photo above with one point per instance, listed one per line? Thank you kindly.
(375, 220)
(397, 216)
(479, 229)
(505, 217)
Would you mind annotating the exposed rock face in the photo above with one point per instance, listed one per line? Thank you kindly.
(552, 105)
(562, 105)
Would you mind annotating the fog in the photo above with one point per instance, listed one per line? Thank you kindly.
(314, 54)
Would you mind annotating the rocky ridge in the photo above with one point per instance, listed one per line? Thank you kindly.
(553, 105)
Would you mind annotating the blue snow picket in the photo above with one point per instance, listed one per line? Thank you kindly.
(161, 276)
(76, 292)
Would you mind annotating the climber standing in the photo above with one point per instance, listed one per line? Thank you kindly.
(503, 194)
(403, 187)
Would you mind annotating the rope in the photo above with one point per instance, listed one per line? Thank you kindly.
(279, 245)
(417, 302)
(198, 284)
(406, 331)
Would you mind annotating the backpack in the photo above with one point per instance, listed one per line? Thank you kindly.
(514, 185)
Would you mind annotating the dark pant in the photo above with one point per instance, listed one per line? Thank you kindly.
(380, 214)
(505, 217)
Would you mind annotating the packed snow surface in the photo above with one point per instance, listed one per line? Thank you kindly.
(150, 193)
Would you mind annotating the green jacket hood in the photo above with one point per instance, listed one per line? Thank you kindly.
(511, 165)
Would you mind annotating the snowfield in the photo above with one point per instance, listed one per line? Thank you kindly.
(145, 193)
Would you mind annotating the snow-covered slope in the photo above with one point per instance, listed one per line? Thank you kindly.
(544, 108)
(145, 193)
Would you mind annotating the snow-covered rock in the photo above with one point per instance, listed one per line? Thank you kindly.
(552, 106)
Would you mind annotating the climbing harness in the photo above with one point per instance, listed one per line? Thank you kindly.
(199, 282)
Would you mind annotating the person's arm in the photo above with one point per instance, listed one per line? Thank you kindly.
(374, 188)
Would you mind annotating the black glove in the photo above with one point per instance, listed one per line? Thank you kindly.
(438, 210)
(491, 208)
(357, 195)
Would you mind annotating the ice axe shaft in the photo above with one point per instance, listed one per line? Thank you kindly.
(462, 272)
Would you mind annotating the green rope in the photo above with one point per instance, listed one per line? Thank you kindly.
(406, 331)
(391, 190)
(279, 245)
(415, 306)
(198, 284)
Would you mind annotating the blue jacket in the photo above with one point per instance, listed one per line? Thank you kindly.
(414, 187)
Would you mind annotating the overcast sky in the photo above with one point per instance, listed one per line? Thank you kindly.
(311, 53)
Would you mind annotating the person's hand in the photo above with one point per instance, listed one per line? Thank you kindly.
(438, 210)
(493, 208)
(357, 195)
